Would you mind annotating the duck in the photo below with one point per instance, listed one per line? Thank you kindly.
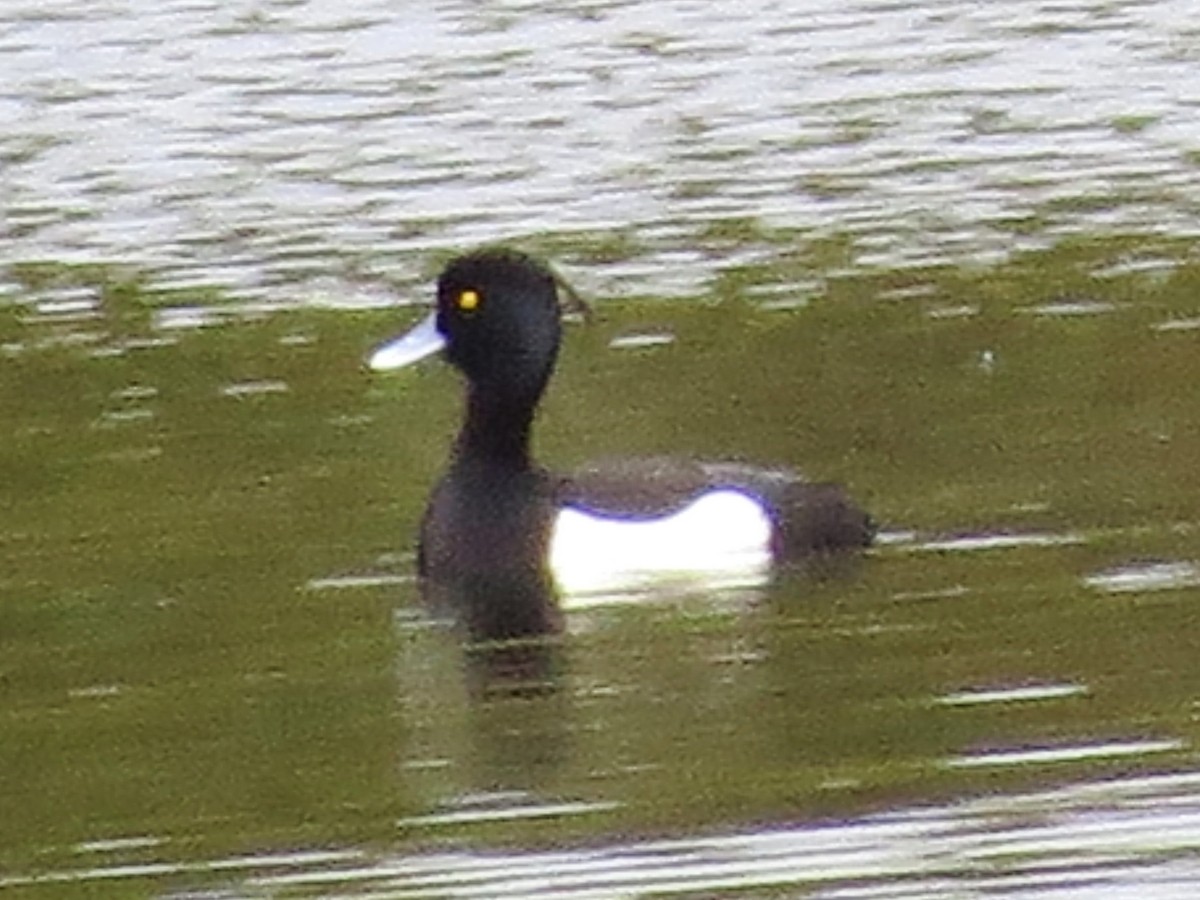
(502, 539)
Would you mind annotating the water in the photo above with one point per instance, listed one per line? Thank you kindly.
(214, 681)
(1088, 841)
(271, 146)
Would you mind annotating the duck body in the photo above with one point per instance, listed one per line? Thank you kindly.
(501, 537)
(640, 521)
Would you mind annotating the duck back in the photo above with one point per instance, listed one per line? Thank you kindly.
(807, 517)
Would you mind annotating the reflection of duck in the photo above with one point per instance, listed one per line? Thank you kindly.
(496, 522)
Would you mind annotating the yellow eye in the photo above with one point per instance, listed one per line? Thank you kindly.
(468, 301)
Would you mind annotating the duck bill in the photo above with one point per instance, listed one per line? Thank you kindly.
(421, 341)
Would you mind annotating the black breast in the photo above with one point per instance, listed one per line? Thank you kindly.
(483, 551)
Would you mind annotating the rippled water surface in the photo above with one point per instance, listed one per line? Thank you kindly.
(215, 680)
(947, 256)
(267, 145)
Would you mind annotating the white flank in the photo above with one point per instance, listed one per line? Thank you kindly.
(721, 539)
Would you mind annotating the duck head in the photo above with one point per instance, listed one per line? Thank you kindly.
(497, 321)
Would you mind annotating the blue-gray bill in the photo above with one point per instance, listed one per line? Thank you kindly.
(421, 341)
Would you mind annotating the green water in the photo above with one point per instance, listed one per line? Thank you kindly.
(175, 666)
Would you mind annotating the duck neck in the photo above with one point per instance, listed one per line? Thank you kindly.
(496, 429)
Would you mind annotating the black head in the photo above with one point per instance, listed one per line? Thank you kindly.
(498, 312)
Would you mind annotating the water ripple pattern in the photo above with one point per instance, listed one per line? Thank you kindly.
(260, 144)
(1128, 838)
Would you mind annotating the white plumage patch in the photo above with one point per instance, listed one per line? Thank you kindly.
(719, 540)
